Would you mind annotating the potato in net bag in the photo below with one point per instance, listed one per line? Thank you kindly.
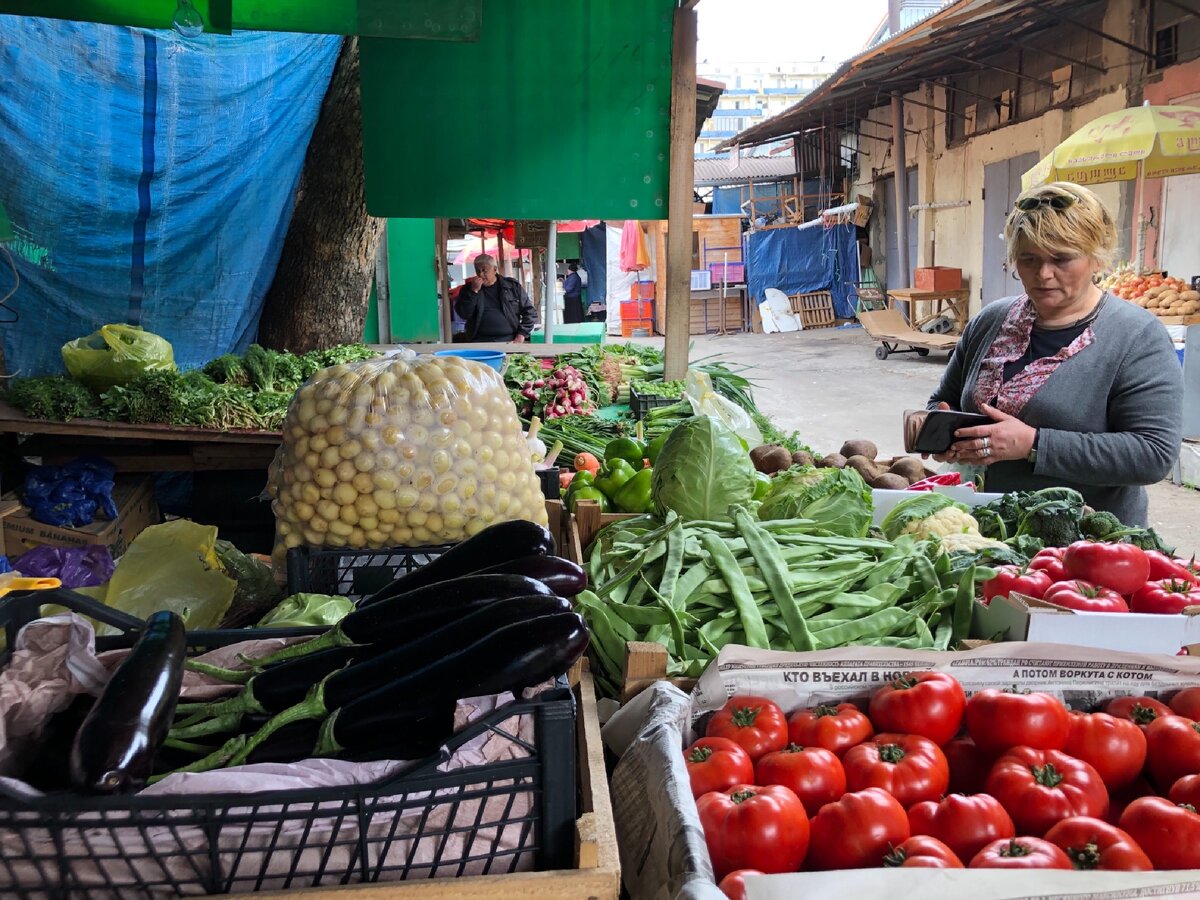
(398, 453)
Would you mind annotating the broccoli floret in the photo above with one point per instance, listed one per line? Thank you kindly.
(1149, 539)
(1098, 525)
(1052, 515)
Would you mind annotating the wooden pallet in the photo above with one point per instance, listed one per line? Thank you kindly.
(597, 869)
(815, 310)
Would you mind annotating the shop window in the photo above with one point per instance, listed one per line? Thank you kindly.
(1166, 46)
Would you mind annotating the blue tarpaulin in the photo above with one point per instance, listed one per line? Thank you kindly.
(803, 260)
(150, 179)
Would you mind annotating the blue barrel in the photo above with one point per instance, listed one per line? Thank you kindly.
(491, 358)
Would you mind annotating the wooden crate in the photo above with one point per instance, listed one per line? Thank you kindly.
(815, 310)
(705, 314)
(646, 663)
(559, 526)
(1179, 320)
(586, 522)
(597, 870)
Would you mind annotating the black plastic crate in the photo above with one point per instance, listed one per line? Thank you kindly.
(518, 812)
(640, 405)
(550, 479)
(353, 573)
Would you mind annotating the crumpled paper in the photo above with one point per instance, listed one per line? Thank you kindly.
(55, 660)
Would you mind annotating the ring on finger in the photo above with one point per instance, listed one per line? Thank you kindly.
(987, 442)
(987, 451)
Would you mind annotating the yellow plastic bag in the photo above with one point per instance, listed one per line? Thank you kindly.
(116, 354)
(172, 566)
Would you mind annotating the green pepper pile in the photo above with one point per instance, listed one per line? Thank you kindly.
(623, 483)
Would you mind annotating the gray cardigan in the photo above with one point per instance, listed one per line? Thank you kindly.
(1109, 419)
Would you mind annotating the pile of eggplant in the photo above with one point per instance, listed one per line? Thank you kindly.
(492, 614)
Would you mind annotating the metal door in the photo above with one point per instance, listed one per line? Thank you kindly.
(888, 186)
(1001, 185)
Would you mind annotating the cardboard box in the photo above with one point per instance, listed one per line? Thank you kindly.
(136, 508)
(937, 278)
(1021, 618)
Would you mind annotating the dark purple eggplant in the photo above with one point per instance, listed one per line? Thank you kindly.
(494, 545)
(419, 611)
(402, 734)
(114, 748)
(562, 576)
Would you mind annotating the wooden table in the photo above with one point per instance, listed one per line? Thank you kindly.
(141, 448)
(954, 302)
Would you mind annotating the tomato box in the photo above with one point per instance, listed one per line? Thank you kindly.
(1020, 618)
(659, 833)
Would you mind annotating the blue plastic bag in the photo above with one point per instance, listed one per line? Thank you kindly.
(75, 567)
(69, 496)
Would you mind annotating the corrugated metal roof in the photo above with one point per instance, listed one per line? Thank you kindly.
(714, 172)
(970, 30)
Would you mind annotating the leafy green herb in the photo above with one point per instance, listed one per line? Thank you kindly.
(52, 397)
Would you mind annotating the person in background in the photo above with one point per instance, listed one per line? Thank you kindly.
(572, 296)
(1084, 388)
(495, 307)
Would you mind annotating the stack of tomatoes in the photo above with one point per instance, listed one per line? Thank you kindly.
(1029, 785)
(1102, 577)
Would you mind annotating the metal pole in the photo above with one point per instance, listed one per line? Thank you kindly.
(551, 277)
(901, 277)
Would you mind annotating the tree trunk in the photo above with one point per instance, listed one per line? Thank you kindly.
(322, 286)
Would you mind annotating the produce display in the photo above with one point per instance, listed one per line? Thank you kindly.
(250, 391)
(1160, 294)
(862, 456)
(621, 484)
(1051, 787)
(385, 453)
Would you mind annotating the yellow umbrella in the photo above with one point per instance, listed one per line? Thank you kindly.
(1126, 145)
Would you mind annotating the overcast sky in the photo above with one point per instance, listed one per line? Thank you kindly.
(779, 30)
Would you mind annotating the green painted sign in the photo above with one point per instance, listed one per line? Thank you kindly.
(558, 111)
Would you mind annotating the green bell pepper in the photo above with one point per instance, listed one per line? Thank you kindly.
(633, 452)
(587, 493)
(581, 480)
(762, 485)
(610, 481)
(656, 446)
(634, 495)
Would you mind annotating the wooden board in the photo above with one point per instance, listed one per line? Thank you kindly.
(706, 308)
(815, 310)
(1178, 320)
(13, 420)
(646, 663)
(597, 872)
(587, 521)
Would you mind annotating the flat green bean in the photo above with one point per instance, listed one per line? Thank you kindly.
(775, 573)
(752, 623)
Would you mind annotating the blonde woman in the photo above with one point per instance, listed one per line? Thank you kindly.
(1083, 387)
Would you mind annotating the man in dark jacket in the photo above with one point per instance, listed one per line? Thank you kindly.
(572, 296)
(495, 308)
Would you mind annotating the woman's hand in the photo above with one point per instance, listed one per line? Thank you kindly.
(941, 457)
(1007, 438)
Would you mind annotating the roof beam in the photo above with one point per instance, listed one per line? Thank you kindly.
(1104, 34)
(962, 90)
(904, 99)
(1002, 70)
(1062, 56)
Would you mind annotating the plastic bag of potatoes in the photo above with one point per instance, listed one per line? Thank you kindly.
(396, 453)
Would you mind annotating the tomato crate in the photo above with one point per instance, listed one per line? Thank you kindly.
(448, 817)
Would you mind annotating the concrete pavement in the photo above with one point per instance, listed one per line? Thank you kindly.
(827, 385)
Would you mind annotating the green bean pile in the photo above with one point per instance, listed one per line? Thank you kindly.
(698, 586)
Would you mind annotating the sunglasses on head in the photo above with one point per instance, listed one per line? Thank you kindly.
(1057, 202)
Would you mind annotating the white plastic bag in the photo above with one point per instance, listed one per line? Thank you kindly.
(706, 401)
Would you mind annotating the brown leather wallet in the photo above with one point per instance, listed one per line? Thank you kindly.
(932, 430)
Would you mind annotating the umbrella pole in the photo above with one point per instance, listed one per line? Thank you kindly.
(1139, 219)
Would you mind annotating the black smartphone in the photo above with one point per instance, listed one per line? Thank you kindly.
(936, 433)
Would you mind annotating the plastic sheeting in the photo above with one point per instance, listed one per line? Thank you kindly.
(803, 260)
(150, 179)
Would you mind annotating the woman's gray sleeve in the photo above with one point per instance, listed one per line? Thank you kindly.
(1145, 423)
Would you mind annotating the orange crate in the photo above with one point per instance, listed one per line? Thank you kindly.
(641, 290)
(937, 278)
(628, 326)
(637, 309)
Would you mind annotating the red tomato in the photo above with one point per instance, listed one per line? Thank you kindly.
(1172, 749)
(750, 827)
(969, 766)
(836, 728)
(1093, 844)
(857, 831)
(1118, 800)
(733, 885)
(998, 720)
(1050, 561)
(1168, 597)
(1122, 567)
(1186, 790)
(909, 767)
(1190, 566)
(1020, 853)
(1170, 834)
(813, 774)
(755, 723)
(714, 764)
(1116, 748)
(1187, 703)
(1028, 581)
(1041, 787)
(1086, 597)
(1139, 710)
(929, 704)
(922, 852)
(1163, 567)
(965, 824)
